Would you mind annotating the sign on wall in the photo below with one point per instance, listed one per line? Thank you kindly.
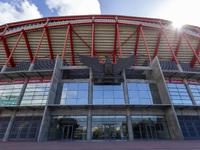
(39, 80)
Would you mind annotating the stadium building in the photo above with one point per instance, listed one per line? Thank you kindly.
(47, 94)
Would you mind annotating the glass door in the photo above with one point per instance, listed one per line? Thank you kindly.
(109, 132)
(151, 131)
(67, 133)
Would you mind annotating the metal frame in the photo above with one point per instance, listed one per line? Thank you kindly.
(118, 21)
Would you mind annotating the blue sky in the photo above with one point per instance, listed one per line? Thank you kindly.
(178, 11)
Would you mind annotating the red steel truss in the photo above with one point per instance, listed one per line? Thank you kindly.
(94, 53)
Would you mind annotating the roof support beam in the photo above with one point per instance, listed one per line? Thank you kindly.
(119, 43)
(28, 46)
(12, 64)
(38, 47)
(65, 44)
(72, 48)
(49, 42)
(195, 54)
(178, 46)
(194, 58)
(172, 51)
(137, 41)
(158, 44)
(149, 57)
(13, 50)
(115, 46)
(92, 47)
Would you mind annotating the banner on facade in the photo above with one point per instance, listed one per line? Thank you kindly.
(173, 81)
(39, 80)
(18, 82)
(4, 82)
(192, 82)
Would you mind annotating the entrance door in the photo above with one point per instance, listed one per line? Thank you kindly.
(109, 132)
(151, 131)
(67, 133)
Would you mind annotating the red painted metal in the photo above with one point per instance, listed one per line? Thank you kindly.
(172, 51)
(178, 46)
(72, 48)
(195, 54)
(28, 46)
(194, 58)
(119, 43)
(49, 43)
(137, 41)
(12, 64)
(13, 50)
(115, 46)
(4, 30)
(81, 39)
(63, 54)
(158, 43)
(149, 57)
(92, 50)
(99, 58)
(38, 47)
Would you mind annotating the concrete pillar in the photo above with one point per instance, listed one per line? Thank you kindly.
(90, 96)
(7, 133)
(173, 124)
(189, 92)
(160, 81)
(22, 92)
(31, 67)
(125, 88)
(4, 68)
(89, 125)
(129, 123)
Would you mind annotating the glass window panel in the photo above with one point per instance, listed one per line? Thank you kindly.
(72, 94)
(72, 86)
(83, 87)
(97, 94)
(108, 95)
(119, 101)
(144, 94)
(108, 101)
(70, 101)
(97, 101)
(142, 86)
(132, 86)
(82, 95)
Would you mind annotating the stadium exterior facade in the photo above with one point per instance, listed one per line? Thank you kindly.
(46, 94)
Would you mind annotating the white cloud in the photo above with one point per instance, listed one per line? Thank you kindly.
(17, 11)
(74, 7)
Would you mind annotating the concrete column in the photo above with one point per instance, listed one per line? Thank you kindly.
(31, 67)
(129, 123)
(22, 92)
(173, 124)
(90, 94)
(7, 133)
(89, 125)
(189, 92)
(125, 88)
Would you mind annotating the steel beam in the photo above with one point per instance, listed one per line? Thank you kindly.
(158, 44)
(172, 51)
(13, 50)
(72, 48)
(28, 45)
(92, 47)
(12, 64)
(65, 44)
(195, 54)
(178, 46)
(149, 57)
(119, 43)
(49, 43)
(194, 58)
(137, 41)
(115, 46)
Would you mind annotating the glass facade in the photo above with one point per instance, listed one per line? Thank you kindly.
(108, 94)
(139, 93)
(149, 127)
(4, 121)
(68, 128)
(74, 93)
(179, 94)
(109, 128)
(9, 94)
(195, 92)
(36, 94)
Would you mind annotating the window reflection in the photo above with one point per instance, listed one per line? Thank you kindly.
(74, 93)
(9, 94)
(139, 93)
(108, 94)
(179, 94)
(149, 127)
(109, 128)
(195, 92)
(68, 128)
(36, 94)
